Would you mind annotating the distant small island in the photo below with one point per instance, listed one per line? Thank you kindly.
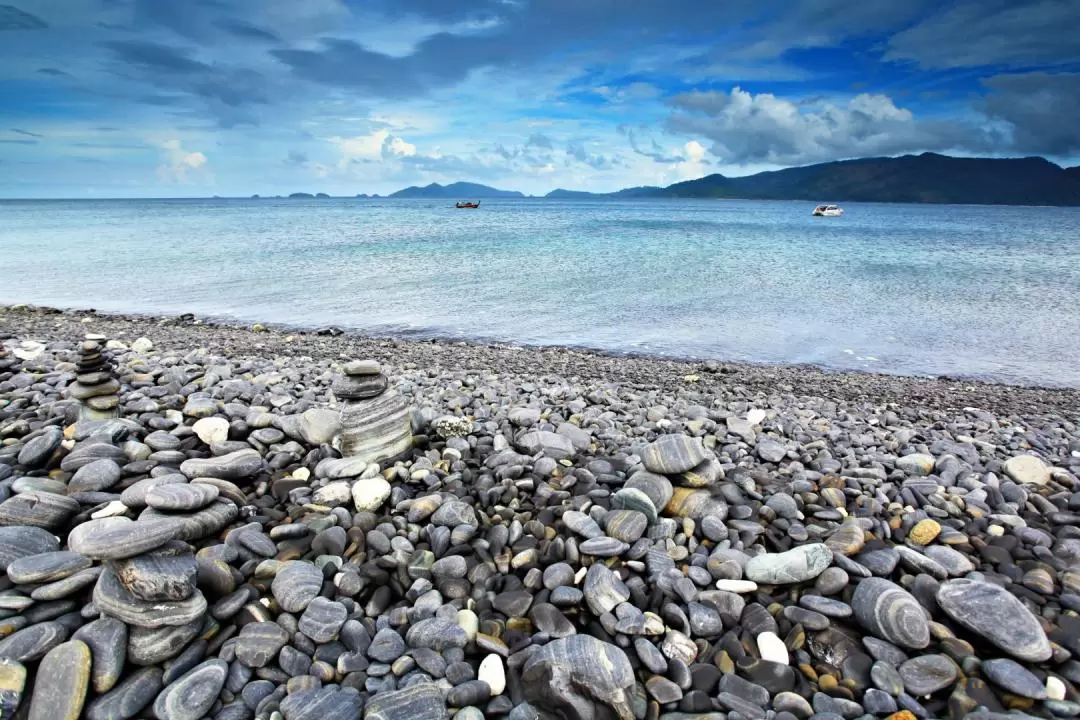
(925, 178)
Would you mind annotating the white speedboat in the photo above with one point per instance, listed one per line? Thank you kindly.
(828, 211)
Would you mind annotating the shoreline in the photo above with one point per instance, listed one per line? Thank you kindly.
(233, 338)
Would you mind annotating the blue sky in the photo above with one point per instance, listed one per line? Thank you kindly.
(154, 98)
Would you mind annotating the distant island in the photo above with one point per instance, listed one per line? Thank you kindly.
(925, 178)
(459, 190)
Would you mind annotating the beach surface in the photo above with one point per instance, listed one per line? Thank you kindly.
(207, 520)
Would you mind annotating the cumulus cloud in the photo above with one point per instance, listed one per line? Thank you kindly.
(375, 146)
(178, 165)
(746, 128)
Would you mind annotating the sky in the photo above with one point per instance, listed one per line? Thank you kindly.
(193, 98)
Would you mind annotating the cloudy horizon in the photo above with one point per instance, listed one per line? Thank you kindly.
(145, 98)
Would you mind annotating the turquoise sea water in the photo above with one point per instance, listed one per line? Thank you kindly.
(990, 292)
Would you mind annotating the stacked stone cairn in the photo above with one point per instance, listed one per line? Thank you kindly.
(95, 387)
(375, 420)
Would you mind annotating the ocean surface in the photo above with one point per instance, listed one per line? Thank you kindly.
(987, 292)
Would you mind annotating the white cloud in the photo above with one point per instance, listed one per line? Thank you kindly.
(178, 163)
(375, 147)
(746, 128)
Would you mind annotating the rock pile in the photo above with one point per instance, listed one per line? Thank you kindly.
(95, 387)
(544, 549)
(375, 424)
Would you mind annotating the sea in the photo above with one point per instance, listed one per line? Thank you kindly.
(983, 292)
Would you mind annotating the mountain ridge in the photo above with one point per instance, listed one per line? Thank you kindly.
(459, 190)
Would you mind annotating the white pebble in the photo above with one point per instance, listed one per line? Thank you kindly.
(1055, 689)
(995, 531)
(737, 586)
(469, 622)
(142, 345)
(212, 430)
(491, 671)
(113, 509)
(772, 648)
(754, 416)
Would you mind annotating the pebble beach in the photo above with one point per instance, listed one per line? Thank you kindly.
(205, 520)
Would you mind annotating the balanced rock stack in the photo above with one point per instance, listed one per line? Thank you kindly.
(95, 387)
(375, 419)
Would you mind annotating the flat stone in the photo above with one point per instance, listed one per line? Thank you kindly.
(340, 468)
(167, 573)
(237, 465)
(192, 695)
(656, 487)
(68, 586)
(552, 445)
(997, 615)
(323, 619)
(916, 465)
(422, 700)
(211, 520)
(604, 547)
(118, 537)
(1014, 677)
(603, 589)
(95, 477)
(891, 613)
(38, 450)
(31, 643)
(799, 564)
(322, 704)
(38, 509)
(626, 525)
(387, 646)
(107, 640)
(47, 567)
(296, 584)
(926, 674)
(176, 497)
(436, 633)
(673, 454)
(1027, 470)
(770, 450)
(152, 646)
(62, 681)
(112, 598)
(259, 643)
(135, 495)
(129, 698)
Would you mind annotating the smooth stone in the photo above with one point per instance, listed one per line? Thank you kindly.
(603, 589)
(151, 646)
(211, 430)
(321, 704)
(799, 564)
(323, 619)
(387, 646)
(626, 525)
(956, 564)
(926, 674)
(436, 633)
(94, 477)
(997, 615)
(673, 454)
(296, 584)
(112, 598)
(770, 450)
(1014, 677)
(129, 698)
(31, 643)
(491, 672)
(118, 537)
(772, 648)
(419, 701)
(192, 695)
(916, 464)
(46, 567)
(369, 494)
(63, 678)
(848, 539)
(890, 612)
(193, 496)
(376, 429)
(259, 643)
(12, 685)
(167, 573)
(107, 640)
(204, 523)
(340, 468)
(580, 674)
(38, 450)
(604, 547)
(1027, 470)
(656, 487)
(232, 466)
(38, 509)
(135, 496)
(471, 692)
(628, 498)
(68, 586)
